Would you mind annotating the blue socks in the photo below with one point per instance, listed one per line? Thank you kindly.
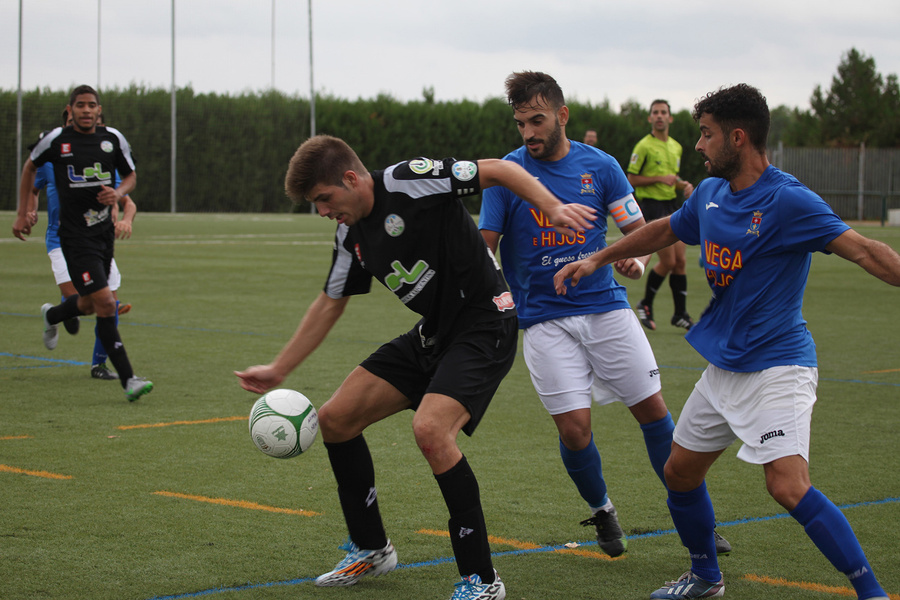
(692, 513)
(585, 469)
(830, 531)
(658, 439)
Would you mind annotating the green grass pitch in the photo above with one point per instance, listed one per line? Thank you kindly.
(168, 498)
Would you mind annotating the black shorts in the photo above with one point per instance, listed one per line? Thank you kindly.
(657, 209)
(469, 369)
(88, 265)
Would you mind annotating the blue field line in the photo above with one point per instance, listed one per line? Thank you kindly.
(54, 362)
(444, 560)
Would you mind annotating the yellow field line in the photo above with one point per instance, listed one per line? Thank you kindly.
(239, 504)
(16, 437)
(170, 423)
(520, 545)
(46, 474)
(803, 585)
(883, 371)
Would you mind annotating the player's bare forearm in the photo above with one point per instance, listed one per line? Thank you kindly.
(567, 219)
(320, 317)
(877, 258)
(638, 243)
(22, 224)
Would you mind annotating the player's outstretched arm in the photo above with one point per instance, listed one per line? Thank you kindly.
(320, 317)
(645, 240)
(877, 258)
(567, 219)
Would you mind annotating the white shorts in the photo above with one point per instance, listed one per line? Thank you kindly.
(770, 411)
(607, 354)
(61, 271)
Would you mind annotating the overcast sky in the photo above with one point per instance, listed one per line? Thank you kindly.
(597, 50)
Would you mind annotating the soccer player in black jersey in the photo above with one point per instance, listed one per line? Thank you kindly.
(407, 227)
(85, 157)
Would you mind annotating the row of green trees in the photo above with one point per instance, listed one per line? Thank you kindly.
(232, 151)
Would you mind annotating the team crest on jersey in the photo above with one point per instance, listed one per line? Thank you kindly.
(587, 184)
(755, 222)
(106, 146)
(394, 225)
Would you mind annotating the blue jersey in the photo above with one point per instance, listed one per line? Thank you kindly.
(532, 252)
(756, 246)
(44, 179)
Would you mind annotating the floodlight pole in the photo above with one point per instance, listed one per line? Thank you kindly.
(98, 44)
(19, 102)
(273, 45)
(312, 89)
(174, 128)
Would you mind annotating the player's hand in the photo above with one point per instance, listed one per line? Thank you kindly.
(259, 379)
(632, 268)
(21, 227)
(574, 271)
(108, 195)
(669, 179)
(123, 230)
(688, 189)
(569, 219)
(32, 217)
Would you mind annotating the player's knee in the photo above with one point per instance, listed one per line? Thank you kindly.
(785, 491)
(681, 479)
(336, 425)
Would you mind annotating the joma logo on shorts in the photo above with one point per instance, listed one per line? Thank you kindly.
(654, 373)
(770, 435)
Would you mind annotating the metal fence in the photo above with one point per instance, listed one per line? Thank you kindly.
(859, 183)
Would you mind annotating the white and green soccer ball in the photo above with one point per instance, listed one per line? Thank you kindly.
(283, 423)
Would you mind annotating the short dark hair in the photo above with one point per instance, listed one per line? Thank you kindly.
(320, 159)
(522, 88)
(738, 107)
(65, 117)
(661, 101)
(83, 89)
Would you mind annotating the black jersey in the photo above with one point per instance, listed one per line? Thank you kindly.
(82, 163)
(421, 243)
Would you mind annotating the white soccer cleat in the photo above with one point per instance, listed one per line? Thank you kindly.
(136, 387)
(358, 564)
(471, 588)
(51, 332)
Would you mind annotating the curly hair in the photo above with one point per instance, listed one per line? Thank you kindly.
(522, 88)
(738, 107)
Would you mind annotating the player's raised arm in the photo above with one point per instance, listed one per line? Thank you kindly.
(567, 219)
(646, 240)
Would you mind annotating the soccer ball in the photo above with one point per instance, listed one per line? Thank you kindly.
(283, 423)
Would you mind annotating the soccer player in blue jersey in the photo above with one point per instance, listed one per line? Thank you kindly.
(588, 343)
(758, 227)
